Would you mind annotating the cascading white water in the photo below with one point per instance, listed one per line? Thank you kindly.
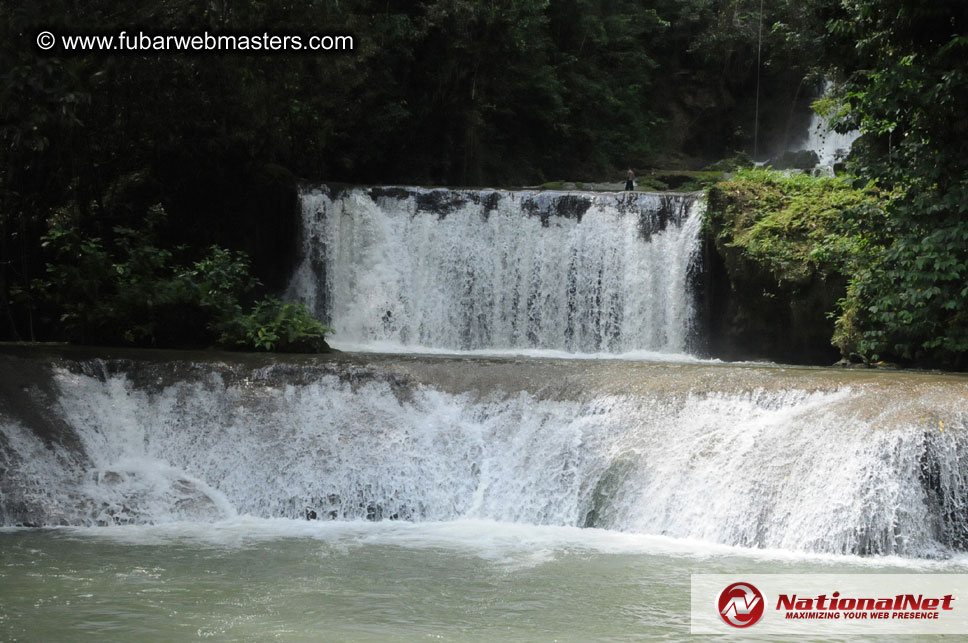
(829, 145)
(728, 455)
(496, 269)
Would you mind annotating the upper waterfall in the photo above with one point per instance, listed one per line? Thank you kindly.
(497, 269)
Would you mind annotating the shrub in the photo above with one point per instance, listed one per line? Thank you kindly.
(132, 292)
(274, 325)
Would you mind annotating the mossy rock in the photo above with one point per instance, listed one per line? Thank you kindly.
(739, 161)
(787, 256)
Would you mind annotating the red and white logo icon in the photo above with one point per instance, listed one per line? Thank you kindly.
(741, 605)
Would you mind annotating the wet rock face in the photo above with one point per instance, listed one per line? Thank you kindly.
(28, 396)
(123, 497)
(944, 488)
(571, 206)
(673, 210)
(363, 506)
(542, 204)
(385, 192)
(746, 316)
(29, 414)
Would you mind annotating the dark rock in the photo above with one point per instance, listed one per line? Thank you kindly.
(439, 202)
(487, 200)
(799, 160)
(572, 206)
(389, 192)
(545, 206)
(673, 209)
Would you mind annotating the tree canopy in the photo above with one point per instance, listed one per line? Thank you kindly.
(906, 87)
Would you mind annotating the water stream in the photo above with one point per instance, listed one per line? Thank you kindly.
(412, 269)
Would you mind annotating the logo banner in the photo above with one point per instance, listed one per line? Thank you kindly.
(829, 604)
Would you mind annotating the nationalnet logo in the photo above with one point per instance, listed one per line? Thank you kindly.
(741, 605)
(831, 604)
(899, 606)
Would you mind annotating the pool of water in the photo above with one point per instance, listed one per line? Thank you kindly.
(251, 579)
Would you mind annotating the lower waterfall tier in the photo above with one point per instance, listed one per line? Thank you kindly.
(799, 459)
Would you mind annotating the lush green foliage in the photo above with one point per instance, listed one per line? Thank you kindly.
(276, 326)
(906, 88)
(681, 181)
(789, 244)
(795, 225)
(132, 292)
(904, 84)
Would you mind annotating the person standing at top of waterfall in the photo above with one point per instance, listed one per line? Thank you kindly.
(629, 180)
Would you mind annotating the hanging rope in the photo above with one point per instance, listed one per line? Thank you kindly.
(756, 116)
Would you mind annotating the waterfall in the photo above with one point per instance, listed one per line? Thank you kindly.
(803, 460)
(806, 460)
(497, 269)
(830, 146)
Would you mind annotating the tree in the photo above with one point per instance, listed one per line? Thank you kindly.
(906, 89)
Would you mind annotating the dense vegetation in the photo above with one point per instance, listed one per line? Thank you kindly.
(907, 88)
(789, 243)
(436, 91)
(898, 263)
(134, 292)
(462, 92)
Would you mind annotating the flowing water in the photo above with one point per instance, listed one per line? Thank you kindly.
(415, 269)
(543, 481)
(456, 497)
(831, 146)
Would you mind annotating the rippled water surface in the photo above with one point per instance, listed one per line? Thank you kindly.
(258, 580)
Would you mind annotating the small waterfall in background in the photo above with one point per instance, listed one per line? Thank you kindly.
(496, 269)
(831, 147)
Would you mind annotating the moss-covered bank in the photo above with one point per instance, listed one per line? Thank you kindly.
(779, 252)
